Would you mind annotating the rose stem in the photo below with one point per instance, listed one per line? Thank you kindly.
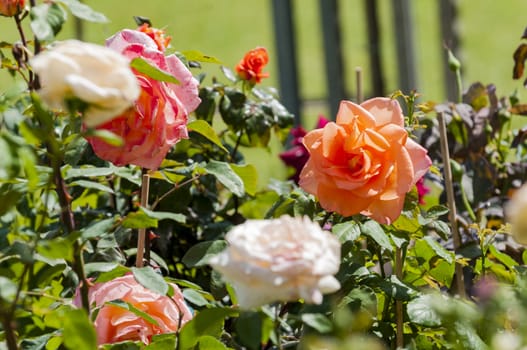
(449, 187)
(399, 303)
(145, 188)
(358, 77)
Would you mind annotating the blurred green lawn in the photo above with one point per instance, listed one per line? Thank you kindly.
(490, 31)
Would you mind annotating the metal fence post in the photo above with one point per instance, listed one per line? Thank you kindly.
(286, 52)
(403, 27)
(450, 37)
(374, 47)
(332, 54)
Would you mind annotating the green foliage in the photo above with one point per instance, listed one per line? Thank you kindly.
(69, 219)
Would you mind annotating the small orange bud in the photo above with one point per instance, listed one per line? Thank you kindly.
(158, 35)
(10, 8)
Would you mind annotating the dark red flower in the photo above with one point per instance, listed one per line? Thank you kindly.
(297, 156)
(422, 190)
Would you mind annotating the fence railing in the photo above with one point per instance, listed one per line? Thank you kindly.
(335, 58)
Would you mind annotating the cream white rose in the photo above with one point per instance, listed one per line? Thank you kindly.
(516, 211)
(279, 260)
(94, 74)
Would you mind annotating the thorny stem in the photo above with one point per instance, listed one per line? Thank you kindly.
(7, 319)
(68, 220)
(33, 3)
(277, 327)
(452, 214)
(237, 145)
(145, 189)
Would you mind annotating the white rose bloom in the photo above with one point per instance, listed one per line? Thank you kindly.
(96, 75)
(279, 260)
(516, 211)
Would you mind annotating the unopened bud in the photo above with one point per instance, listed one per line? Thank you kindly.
(10, 8)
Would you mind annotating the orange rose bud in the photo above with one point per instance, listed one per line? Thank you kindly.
(251, 66)
(10, 8)
(158, 35)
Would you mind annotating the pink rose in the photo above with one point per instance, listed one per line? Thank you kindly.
(159, 118)
(114, 324)
(364, 162)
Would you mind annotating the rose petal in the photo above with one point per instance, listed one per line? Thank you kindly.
(385, 110)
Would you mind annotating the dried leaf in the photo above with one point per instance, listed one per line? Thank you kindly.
(519, 61)
(520, 109)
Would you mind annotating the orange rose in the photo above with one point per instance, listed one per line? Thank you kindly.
(114, 324)
(10, 8)
(365, 162)
(251, 66)
(158, 35)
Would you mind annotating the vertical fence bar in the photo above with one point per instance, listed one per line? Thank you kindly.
(450, 37)
(332, 54)
(403, 27)
(374, 47)
(286, 52)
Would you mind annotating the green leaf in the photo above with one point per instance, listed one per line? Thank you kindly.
(503, 258)
(164, 215)
(224, 173)
(8, 290)
(98, 229)
(249, 176)
(346, 231)
(107, 136)
(139, 219)
(406, 224)
(112, 274)
(394, 288)
(85, 12)
(47, 20)
(56, 248)
(204, 129)
(91, 268)
(37, 343)
(87, 172)
(318, 322)
(200, 253)
(149, 279)
(144, 67)
(436, 211)
(373, 230)
(196, 55)
(162, 342)
(229, 74)
(249, 329)
(127, 306)
(195, 297)
(207, 342)
(78, 331)
(208, 322)
(92, 185)
(421, 312)
(439, 249)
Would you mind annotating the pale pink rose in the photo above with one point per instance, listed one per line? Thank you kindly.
(365, 162)
(114, 324)
(161, 112)
(279, 260)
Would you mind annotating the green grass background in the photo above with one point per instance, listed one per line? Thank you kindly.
(490, 31)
